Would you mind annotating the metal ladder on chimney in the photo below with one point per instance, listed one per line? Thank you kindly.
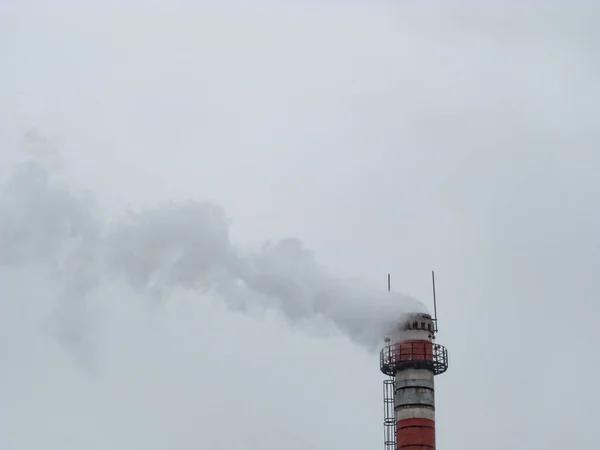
(389, 415)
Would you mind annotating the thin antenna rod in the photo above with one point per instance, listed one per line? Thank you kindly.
(435, 318)
(389, 282)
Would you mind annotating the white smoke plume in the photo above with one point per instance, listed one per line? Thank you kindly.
(45, 223)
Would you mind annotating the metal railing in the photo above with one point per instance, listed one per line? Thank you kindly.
(414, 354)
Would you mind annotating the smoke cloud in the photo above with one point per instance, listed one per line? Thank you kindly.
(46, 224)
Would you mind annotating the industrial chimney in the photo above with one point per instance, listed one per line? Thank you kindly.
(411, 359)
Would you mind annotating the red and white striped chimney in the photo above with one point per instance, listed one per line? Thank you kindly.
(411, 359)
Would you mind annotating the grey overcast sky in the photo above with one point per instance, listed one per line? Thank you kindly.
(387, 136)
